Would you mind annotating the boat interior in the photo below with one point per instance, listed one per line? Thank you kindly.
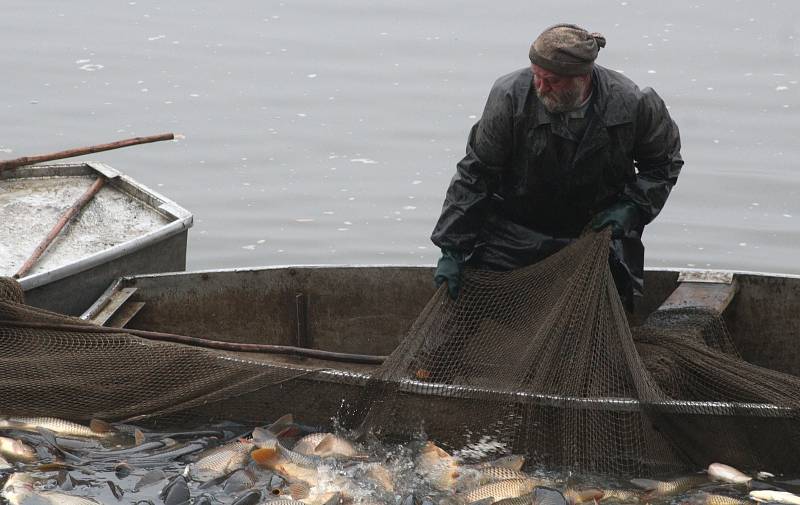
(368, 310)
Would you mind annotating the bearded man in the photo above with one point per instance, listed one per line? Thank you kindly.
(562, 145)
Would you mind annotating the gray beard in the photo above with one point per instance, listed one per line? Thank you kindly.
(565, 102)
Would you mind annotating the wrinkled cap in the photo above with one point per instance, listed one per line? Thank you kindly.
(566, 49)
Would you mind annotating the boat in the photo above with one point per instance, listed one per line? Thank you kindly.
(365, 311)
(125, 229)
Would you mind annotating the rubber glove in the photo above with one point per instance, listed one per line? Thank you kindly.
(623, 217)
(449, 269)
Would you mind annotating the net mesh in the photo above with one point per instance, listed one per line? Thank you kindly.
(116, 376)
(539, 361)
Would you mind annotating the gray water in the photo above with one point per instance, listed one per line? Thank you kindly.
(326, 132)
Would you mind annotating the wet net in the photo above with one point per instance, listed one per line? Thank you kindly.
(77, 375)
(539, 361)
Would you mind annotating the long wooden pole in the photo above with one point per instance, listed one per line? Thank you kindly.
(202, 342)
(66, 217)
(80, 151)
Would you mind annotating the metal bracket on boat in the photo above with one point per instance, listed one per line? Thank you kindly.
(107, 171)
(716, 276)
(707, 289)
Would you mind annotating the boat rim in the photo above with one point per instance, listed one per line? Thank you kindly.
(182, 219)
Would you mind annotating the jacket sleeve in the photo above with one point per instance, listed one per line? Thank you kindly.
(656, 155)
(477, 175)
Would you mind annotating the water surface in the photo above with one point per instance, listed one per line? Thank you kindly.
(327, 132)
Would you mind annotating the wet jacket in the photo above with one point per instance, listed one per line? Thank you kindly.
(527, 187)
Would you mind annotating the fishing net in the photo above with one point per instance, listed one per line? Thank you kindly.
(538, 361)
(78, 375)
(542, 361)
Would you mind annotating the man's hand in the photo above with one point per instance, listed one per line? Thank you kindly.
(623, 217)
(449, 269)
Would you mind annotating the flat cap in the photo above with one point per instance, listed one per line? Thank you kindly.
(566, 49)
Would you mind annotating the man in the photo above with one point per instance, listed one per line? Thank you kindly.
(561, 146)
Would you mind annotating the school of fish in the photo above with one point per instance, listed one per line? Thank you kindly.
(47, 461)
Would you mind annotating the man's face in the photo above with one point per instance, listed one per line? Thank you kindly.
(560, 93)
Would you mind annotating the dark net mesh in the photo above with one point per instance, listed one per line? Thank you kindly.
(541, 360)
(538, 361)
(47, 371)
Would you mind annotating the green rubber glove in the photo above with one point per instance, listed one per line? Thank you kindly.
(449, 269)
(623, 217)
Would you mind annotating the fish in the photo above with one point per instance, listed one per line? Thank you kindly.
(138, 449)
(723, 473)
(4, 464)
(17, 450)
(718, 499)
(19, 490)
(220, 461)
(252, 497)
(621, 495)
(578, 496)
(437, 467)
(496, 473)
(767, 495)
(271, 459)
(380, 475)
(97, 428)
(265, 439)
(240, 480)
(176, 492)
(326, 445)
(148, 479)
(657, 488)
(512, 461)
(539, 496)
(498, 491)
(175, 452)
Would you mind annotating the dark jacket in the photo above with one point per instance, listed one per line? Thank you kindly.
(517, 198)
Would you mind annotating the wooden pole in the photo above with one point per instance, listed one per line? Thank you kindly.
(66, 217)
(202, 342)
(80, 151)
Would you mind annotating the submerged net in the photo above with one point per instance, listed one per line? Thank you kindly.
(538, 361)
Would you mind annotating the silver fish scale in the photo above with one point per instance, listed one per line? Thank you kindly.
(299, 459)
(59, 426)
(308, 443)
(500, 490)
(225, 458)
(493, 473)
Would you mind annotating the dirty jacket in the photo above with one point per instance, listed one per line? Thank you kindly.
(517, 198)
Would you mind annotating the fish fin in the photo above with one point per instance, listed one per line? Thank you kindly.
(139, 436)
(431, 447)
(299, 490)
(100, 426)
(281, 424)
(265, 456)
(646, 484)
(325, 446)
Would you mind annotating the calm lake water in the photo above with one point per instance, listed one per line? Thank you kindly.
(327, 132)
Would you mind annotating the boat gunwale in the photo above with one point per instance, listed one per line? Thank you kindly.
(319, 266)
(180, 218)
